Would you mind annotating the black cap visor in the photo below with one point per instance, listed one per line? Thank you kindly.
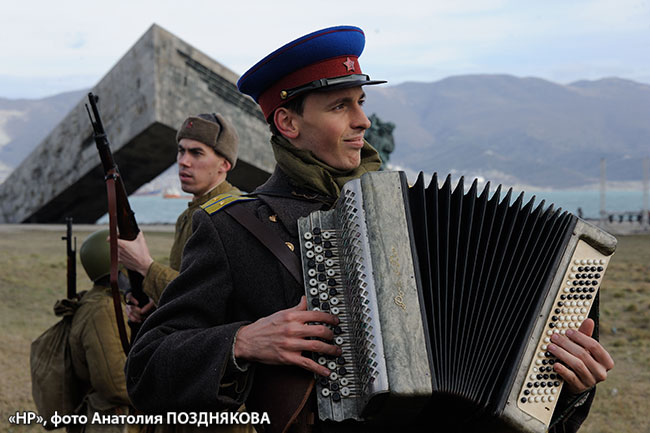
(325, 84)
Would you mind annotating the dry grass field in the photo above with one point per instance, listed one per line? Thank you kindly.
(33, 277)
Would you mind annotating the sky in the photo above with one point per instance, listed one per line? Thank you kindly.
(50, 47)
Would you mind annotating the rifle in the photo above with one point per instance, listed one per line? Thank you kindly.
(72, 259)
(126, 222)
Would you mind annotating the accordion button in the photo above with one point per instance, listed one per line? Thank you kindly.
(310, 254)
(331, 272)
(332, 366)
(322, 287)
(327, 244)
(335, 311)
(322, 277)
(337, 330)
(307, 235)
(524, 399)
(318, 240)
(334, 301)
(313, 282)
(324, 306)
(328, 254)
(333, 291)
(339, 341)
(331, 282)
(316, 230)
(325, 392)
(314, 292)
(319, 258)
(320, 267)
(318, 249)
(327, 235)
(336, 396)
(344, 381)
(322, 360)
(343, 371)
(333, 376)
(323, 381)
(345, 391)
(323, 296)
(311, 272)
(309, 245)
(551, 398)
(311, 263)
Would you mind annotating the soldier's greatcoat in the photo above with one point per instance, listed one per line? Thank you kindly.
(183, 352)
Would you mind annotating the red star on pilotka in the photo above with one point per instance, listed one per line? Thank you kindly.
(349, 64)
(190, 124)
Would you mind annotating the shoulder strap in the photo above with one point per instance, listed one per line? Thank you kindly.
(222, 201)
(269, 239)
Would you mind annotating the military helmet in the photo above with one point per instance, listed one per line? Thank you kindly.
(95, 254)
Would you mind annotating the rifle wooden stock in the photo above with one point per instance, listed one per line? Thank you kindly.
(126, 222)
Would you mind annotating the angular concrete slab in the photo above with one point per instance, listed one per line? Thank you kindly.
(143, 99)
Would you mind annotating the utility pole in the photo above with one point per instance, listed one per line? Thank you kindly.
(603, 212)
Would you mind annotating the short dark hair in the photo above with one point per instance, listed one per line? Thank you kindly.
(297, 105)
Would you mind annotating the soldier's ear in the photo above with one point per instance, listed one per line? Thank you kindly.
(285, 122)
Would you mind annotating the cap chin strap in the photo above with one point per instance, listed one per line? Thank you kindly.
(324, 82)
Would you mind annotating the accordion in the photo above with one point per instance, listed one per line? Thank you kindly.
(447, 300)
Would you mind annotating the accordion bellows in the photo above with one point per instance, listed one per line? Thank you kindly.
(447, 299)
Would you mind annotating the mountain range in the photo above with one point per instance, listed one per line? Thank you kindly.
(525, 132)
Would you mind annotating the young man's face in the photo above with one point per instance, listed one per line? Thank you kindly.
(332, 127)
(200, 169)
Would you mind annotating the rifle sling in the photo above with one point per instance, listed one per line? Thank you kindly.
(112, 222)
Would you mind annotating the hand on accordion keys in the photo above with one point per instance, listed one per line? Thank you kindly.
(282, 337)
(584, 361)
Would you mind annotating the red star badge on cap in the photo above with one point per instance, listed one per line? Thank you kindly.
(349, 64)
(190, 124)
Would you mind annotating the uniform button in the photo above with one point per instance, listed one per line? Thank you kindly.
(289, 245)
(273, 218)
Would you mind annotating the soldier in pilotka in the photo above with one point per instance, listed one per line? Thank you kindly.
(233, 326)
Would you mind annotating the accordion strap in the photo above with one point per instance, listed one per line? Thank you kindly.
(269, 239)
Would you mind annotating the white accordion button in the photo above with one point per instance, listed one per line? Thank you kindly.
(345, 391)
(325, 392)
(307, 235)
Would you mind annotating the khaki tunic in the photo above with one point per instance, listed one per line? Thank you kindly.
(98, 360)
(159, 275)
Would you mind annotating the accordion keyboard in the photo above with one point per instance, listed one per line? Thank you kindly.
(571, 307)
(338, 280)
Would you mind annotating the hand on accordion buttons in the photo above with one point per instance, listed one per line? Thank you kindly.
(584, 362)
(282, 337)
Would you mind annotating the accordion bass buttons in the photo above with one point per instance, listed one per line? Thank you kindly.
(572, 303)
